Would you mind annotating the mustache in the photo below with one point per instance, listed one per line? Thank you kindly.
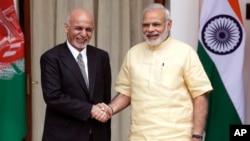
(152, 33)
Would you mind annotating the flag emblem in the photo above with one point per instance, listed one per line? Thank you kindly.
(11, 44)
(222, 34)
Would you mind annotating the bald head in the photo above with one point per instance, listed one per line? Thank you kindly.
(79, 12)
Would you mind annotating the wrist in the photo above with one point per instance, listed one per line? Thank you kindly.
(111, 109)
(197, 136)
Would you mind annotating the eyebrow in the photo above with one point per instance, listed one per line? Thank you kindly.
(152, 23)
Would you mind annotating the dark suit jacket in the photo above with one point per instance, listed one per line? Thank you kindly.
(68, 100)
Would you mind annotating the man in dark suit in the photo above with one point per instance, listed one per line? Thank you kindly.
(72, 92)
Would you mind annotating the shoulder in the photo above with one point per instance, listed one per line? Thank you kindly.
(138, 47)
(180, 44)
(180, 47)
(96, 50)
(56, 49)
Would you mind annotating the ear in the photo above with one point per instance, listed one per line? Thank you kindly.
(66, 28)
(169, 24)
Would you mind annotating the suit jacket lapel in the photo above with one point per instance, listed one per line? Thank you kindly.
(91, 55)
(71, 64)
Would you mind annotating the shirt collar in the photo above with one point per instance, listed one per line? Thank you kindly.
(75, 52)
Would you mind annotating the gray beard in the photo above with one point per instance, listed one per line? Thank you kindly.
(156, 42)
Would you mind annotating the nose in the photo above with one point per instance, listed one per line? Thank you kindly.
(83, 32)
(150, 28)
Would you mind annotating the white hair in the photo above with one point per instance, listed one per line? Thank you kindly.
(153, 6)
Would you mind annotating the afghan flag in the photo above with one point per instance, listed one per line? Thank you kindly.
(12, 75)
(221, 50)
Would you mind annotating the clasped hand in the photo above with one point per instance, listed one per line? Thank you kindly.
(101, 112)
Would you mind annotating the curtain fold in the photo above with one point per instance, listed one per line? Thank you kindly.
(117, 28)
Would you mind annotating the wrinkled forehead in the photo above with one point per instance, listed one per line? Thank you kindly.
(83, 22)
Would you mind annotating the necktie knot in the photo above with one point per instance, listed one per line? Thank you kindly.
(79, 57)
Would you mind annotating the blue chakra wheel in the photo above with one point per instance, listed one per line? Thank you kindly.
(222, 34)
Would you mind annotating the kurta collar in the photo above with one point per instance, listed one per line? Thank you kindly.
(161, 45)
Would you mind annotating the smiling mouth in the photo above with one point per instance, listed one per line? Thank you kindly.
(152, 36)
(82, 40)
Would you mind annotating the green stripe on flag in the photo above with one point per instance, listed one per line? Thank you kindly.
(13, 109)
(222, 112)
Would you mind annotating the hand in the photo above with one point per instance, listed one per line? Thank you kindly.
(106, 108)
(101, 112)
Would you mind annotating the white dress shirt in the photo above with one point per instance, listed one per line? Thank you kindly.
(75, 53)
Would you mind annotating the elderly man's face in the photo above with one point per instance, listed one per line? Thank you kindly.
(79, 29)
(155, 28)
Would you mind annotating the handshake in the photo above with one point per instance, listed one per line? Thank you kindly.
(101, 112)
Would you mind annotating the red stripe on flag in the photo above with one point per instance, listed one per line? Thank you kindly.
(11, 36)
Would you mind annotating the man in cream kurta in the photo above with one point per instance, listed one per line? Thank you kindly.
(164, 82)
(161, 82)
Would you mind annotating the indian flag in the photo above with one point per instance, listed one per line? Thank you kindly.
(221, 50)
